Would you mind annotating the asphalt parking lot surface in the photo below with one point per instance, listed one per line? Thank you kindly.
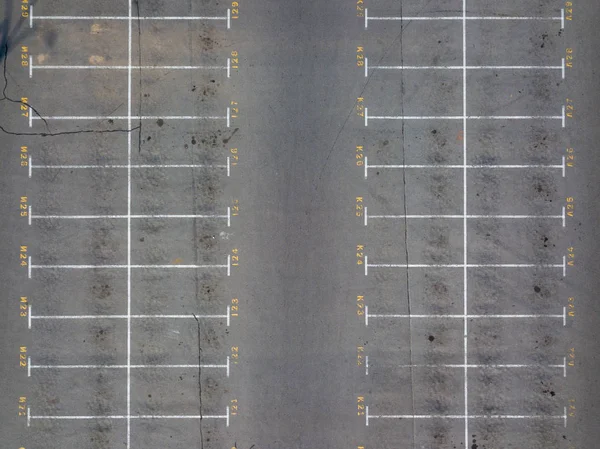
(311, 224)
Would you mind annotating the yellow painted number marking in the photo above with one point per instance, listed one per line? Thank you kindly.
(571, 306)
(24, 156)
(360, 106)
(235, 307)
(23, 256)
(23, 209)
(235, 60)
(360, 355)
(360, 56)
(25, 9)
(360, 305)
(570, 158)
(570, 207)
(24, 56)
(570, 108)
(235, 110)
(360, 405)
(360, 254)
(359, 208)
(572, 408)
(360, 8)
(571, 256)
(24, 107)
(360, 156)
(571, 357)
(23, 356)
(23, 307)
(569, 10)
(569, 58)
(22, 406)
(234, 156)
(235, 10)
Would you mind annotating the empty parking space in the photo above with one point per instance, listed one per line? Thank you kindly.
(464, 220)
(129, 313)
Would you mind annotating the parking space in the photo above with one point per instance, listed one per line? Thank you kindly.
(405, 221)
(130, 310)
(464, 222)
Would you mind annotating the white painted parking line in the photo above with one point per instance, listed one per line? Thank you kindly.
(126, 266)
(460, 117)
(188, 316)
(470, 67)
(465, 224)
(466, 116)
(31, 417)
(562, 366)
(33, 67)
(560, 166)
(562, 417)
(462, 18)
(133, 317)
(129, 207)
(561, 217)
(562, 265)
(32, 217)
(122, 166)
(562, 316)
(125, 117)
(31, 366)
(32, 18)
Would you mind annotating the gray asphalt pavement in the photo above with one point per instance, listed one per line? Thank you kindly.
(312, 224)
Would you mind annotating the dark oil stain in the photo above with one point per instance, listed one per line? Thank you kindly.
(207, 292)
(545, 342)
(101, 291)
(437, 158)
(227, 139)
(207, 42)
(208, 241)
(50, 37)
(439, 186)
(160, 122)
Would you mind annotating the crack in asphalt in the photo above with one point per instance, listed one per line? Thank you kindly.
(199, 380)
(410, 342)
(139, 23)
(5, 97)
